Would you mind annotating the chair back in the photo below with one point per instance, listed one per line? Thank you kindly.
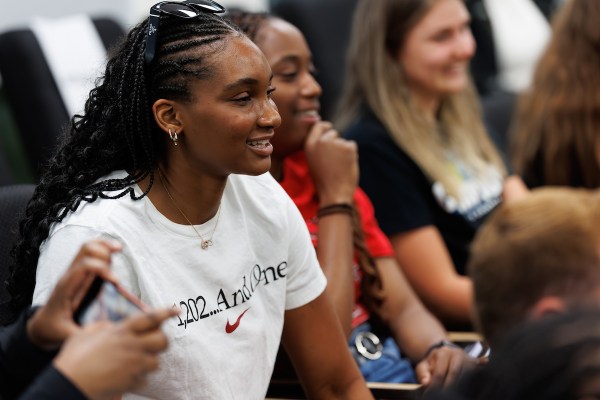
(31, 90)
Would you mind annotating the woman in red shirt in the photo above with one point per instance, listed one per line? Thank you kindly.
(377, 308)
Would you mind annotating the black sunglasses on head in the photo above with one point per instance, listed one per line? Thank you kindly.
(184, 9)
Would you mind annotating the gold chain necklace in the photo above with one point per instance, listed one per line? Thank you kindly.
(204, 243)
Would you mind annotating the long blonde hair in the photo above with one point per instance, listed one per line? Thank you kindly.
(374, 78)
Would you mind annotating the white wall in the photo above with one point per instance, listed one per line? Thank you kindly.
(18, 13)
(127, 12)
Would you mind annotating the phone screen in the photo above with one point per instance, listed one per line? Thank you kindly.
(107, 301)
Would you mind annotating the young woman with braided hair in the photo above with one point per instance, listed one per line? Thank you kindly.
(171, 158)
(319, 170)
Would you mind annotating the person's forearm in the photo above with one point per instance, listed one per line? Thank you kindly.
(425, 330)
(414, 328)
(335, 250)
(355, 390)
(427, 265)
(52, 385)
(320, 354)
(453, 302)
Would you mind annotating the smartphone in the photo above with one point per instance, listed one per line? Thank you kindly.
(107, 301)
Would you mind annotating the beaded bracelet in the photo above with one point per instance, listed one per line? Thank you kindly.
(343, 208)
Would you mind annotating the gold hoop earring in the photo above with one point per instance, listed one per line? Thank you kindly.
(173, 136)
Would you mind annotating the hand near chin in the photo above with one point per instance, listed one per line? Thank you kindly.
(333, 163)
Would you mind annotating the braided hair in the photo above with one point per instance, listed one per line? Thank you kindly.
(116, 132)
(371, 284)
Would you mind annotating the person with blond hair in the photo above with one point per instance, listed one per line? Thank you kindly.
(426, 160)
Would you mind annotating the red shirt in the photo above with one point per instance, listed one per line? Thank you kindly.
(298, 183)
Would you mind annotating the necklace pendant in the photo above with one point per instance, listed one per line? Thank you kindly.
(204, 244)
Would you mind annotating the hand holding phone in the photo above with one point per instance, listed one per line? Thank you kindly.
(107, 301)
(52, 323)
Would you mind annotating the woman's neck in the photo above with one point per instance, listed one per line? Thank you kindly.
(185, 197)
(276, 168)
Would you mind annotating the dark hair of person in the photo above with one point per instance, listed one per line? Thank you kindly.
(555, 139)
(116, 132)
(250, 23)
(554, 358)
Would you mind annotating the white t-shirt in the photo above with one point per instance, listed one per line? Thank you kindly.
(261, 263)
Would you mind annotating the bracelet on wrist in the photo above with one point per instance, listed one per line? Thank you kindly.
(339, 208)
(437, 345)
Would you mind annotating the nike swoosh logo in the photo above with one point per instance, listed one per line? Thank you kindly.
(230, 328)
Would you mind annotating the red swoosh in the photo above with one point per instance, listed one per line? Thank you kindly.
(230, 328)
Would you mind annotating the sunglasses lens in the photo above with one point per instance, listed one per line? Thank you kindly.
(207, 5)
(179, 10)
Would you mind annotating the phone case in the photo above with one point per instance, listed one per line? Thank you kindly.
(107, 301)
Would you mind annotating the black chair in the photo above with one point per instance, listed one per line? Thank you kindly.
(32, 93)
(13, 201)
(326, 26)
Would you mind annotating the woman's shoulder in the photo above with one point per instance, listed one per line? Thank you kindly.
(261, 190)
(375, 144)
(102, 213)
(261, 198)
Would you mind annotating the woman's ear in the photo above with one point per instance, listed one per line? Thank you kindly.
(166, 117)
(547, 305)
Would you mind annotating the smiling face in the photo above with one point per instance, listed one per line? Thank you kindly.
(228, 125)
(297, 94)
(436, 52)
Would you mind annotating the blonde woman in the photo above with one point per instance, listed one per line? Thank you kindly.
(426, 161)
